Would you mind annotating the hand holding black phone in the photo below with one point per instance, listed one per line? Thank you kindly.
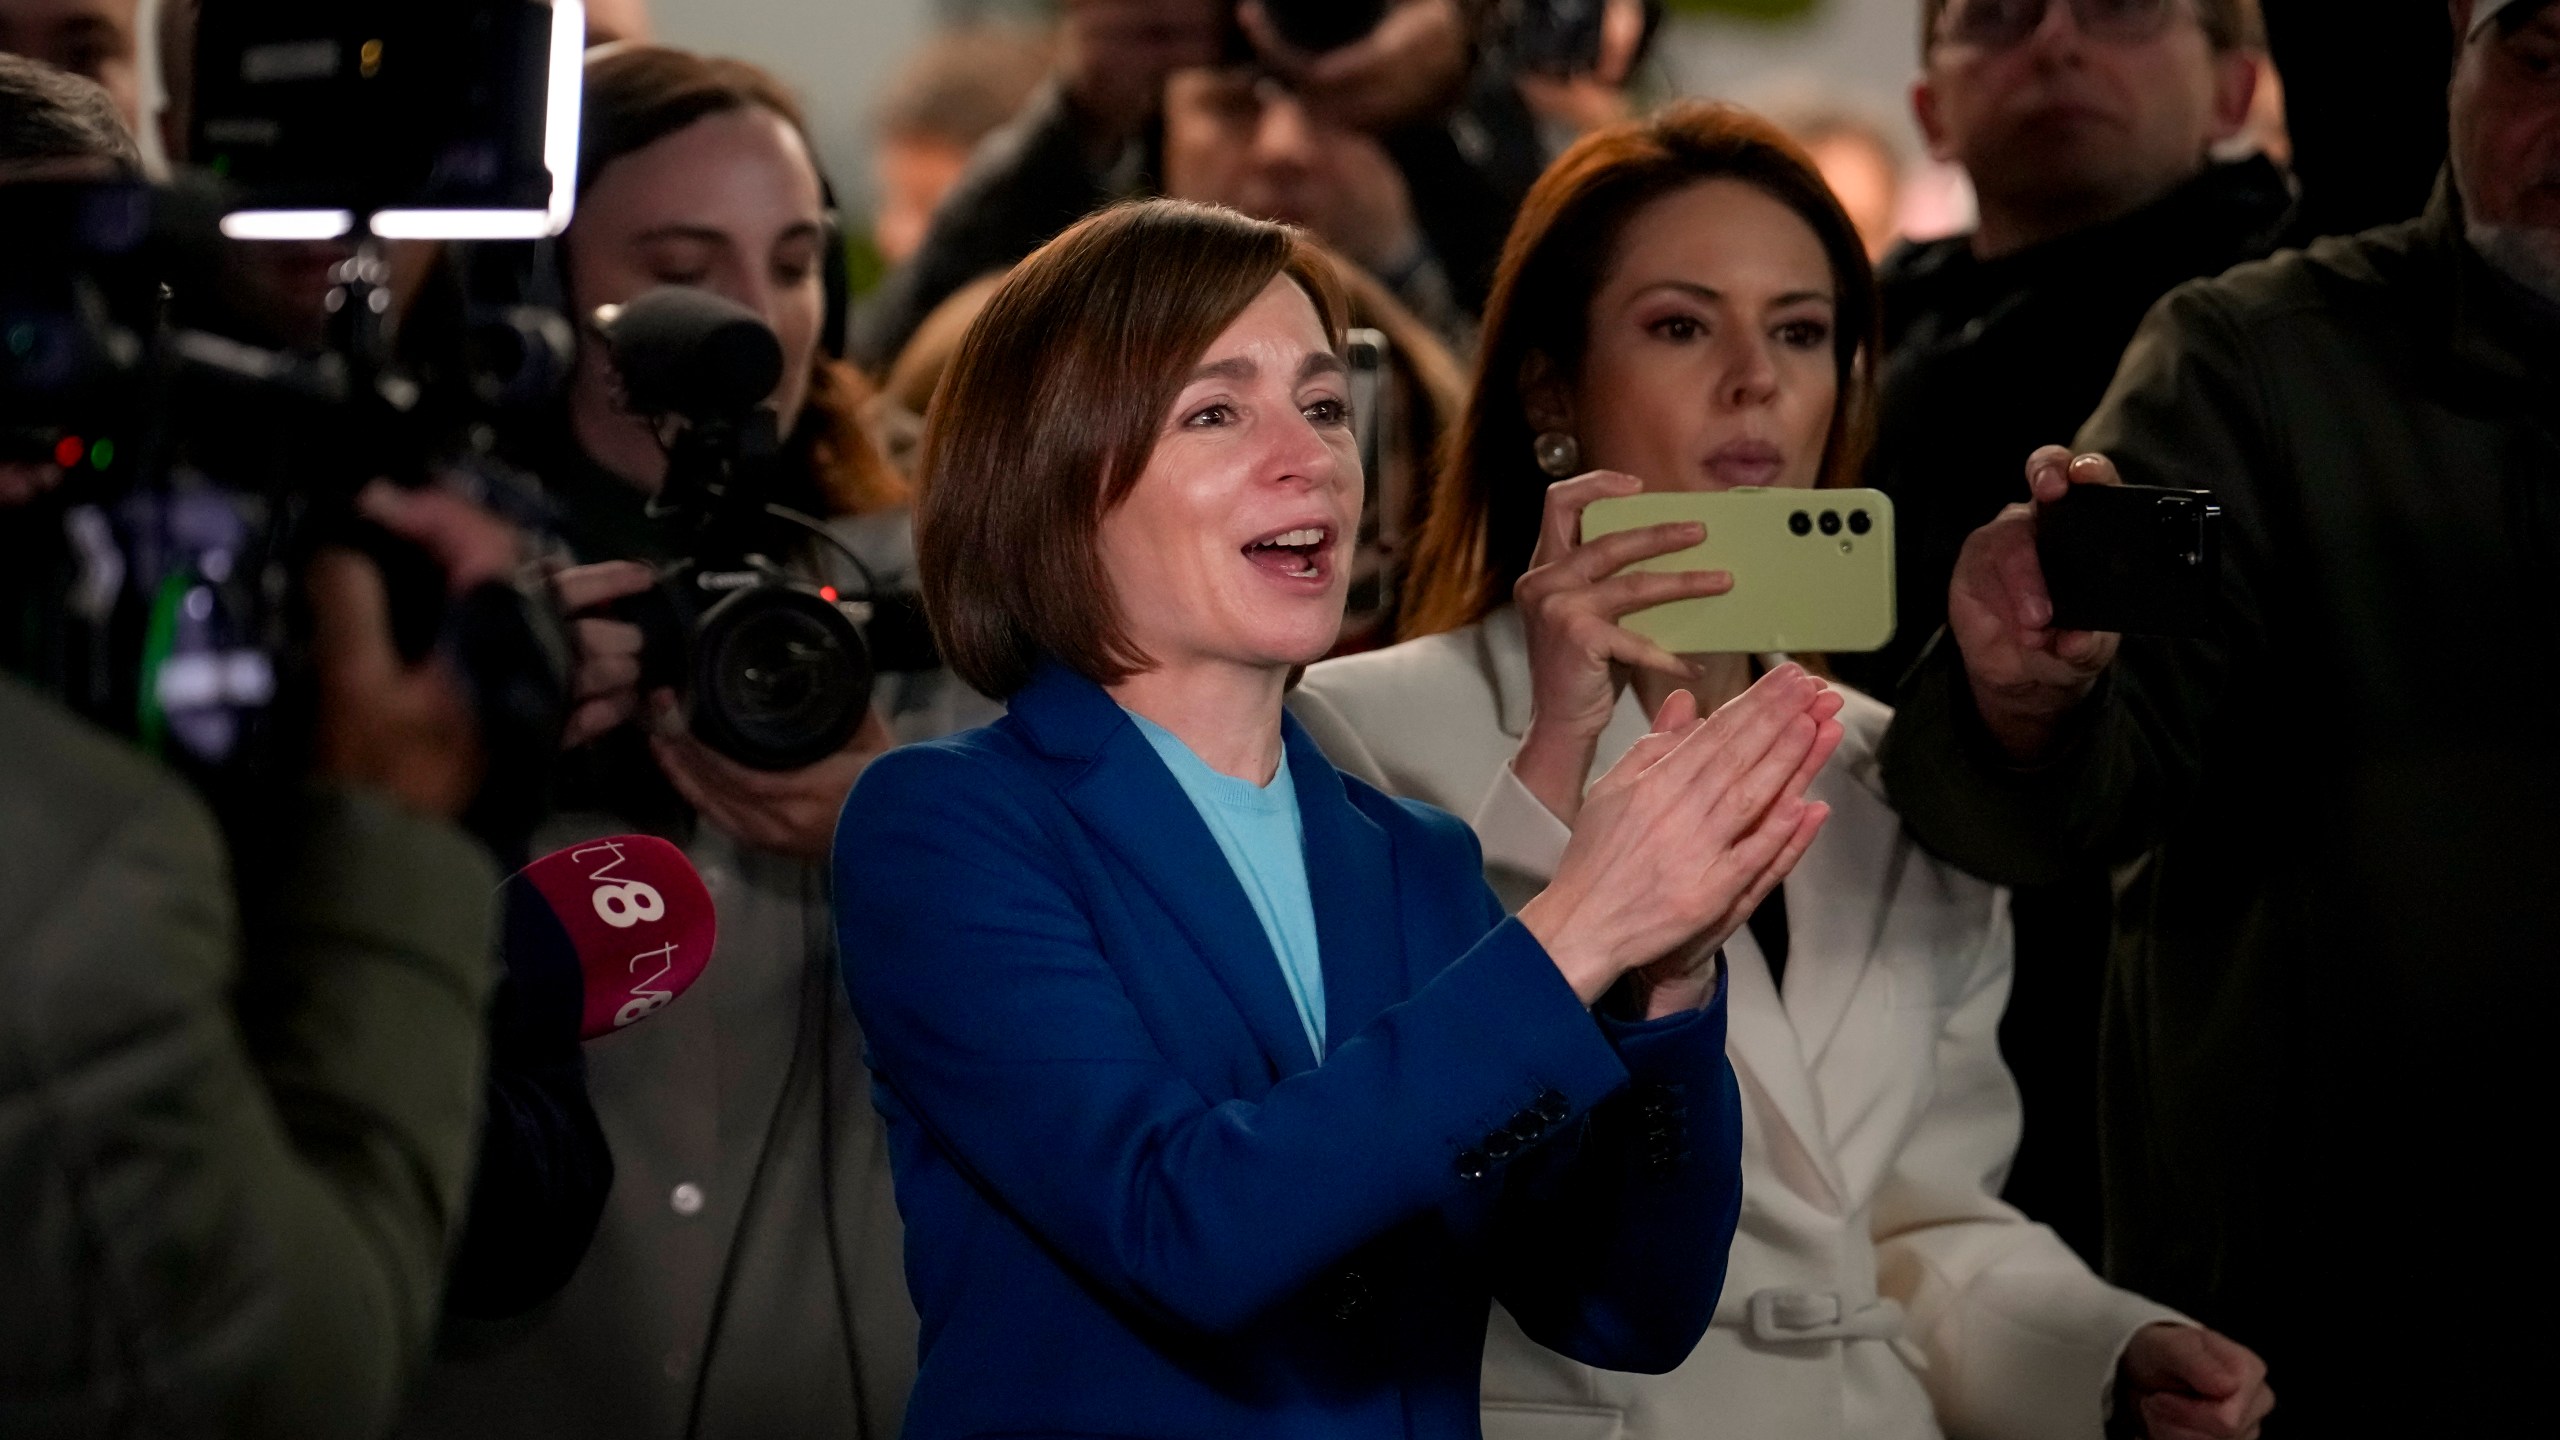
(2131, 559)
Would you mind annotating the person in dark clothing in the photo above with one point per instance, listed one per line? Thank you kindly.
(1173, 97)
(2089, 149)
(2365, 106)
(2088, 145)
(2327, 1017)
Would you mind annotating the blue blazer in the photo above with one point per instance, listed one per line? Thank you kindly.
(1135, 1203)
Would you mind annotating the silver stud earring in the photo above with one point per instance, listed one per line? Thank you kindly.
(1559, 454)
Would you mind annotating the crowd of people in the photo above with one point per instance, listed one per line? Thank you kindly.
(1295, 961)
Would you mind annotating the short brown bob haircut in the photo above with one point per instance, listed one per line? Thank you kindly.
(1049, 413)
(1490, 499)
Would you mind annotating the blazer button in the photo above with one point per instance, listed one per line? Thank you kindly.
(1526, 1126)
(1350, 1296)
(1501, 1145)
(1552, 1107)
(1473, 1165)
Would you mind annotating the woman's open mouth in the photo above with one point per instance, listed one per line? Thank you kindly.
(1302, 552)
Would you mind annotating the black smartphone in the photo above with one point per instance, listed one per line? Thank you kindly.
(2135, 559)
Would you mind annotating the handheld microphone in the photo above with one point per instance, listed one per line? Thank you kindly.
(601, 934)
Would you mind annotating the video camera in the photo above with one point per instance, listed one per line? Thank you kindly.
(161, 579)
(776, 670)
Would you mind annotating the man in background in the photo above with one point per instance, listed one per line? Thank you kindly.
(960, 88)
(1858, 159)
(94, 39)
(2328, 1018)
(1202, 99)
(2087, 131)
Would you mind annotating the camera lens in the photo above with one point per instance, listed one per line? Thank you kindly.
(1859, 524)
(781, 678)
(1801, 523)
(1830, 522)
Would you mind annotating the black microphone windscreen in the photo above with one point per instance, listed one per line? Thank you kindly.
(685, 351)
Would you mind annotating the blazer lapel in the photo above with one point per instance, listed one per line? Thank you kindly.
(1856, 867)
(1764, 1048)
(1351, 874)
(1136, 807)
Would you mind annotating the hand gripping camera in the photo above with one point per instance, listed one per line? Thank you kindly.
(775, 668)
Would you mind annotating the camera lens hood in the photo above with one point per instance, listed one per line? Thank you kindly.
(781, 679)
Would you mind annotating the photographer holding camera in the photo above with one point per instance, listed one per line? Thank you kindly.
(237, 1089)
(745, 1278)
(1335, 116)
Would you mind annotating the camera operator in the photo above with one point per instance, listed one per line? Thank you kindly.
(237, 1092)
(745, 1277)
(1204, 100)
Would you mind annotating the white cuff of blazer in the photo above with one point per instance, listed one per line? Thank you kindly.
(1519, 833)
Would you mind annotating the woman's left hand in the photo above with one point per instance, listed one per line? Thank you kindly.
(789, 812)
(2184, 1382)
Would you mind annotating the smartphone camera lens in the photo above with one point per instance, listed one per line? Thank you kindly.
(1859, 524)
(1830, 522)
(1801, 523)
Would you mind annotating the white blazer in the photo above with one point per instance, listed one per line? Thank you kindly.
(1878, 1288)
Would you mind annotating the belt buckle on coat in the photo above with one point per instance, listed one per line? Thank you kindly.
(1797, 1316)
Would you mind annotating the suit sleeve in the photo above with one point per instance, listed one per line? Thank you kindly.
(1611, 1244)
(2020, 1340)
(2185, 411)
(997, 1020)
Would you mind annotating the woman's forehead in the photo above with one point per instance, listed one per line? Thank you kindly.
(1281, 324)
(722, 169)
(1727, 235)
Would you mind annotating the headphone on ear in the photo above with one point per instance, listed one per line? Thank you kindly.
(835, 270)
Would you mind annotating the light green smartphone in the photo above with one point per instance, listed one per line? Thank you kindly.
(1812, 569)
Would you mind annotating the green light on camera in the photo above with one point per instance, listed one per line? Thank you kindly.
(102, 454)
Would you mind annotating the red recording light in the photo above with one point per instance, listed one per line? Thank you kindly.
(68, 451)
(827, 593)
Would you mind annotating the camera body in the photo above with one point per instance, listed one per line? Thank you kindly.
(2134, 559)
(775, 669)
(161, 579)
(774, 673)
(1321, 25)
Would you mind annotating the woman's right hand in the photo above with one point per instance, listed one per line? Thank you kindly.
(604, 680)
(1689, 831)
(1571, 600)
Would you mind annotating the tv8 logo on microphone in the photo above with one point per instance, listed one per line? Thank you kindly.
(633, 902)
(639, 919)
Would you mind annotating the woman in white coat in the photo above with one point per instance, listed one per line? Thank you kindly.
(1683, 306)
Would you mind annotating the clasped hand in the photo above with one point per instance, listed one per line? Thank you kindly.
(1684, 837)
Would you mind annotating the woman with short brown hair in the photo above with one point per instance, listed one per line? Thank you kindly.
(1221, 1095)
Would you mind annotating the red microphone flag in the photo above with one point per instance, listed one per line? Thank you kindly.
(638, 917)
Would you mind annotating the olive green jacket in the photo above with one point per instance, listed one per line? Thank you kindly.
(228, 1169)
(2337, 955)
